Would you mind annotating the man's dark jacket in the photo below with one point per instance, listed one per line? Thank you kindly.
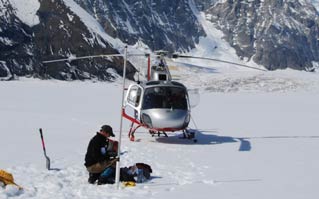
(94, 153)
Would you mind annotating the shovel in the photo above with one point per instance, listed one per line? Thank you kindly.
(44, 151)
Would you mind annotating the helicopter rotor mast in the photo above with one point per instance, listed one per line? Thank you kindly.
(149, 67)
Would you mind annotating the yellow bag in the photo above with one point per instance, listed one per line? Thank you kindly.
(129, 184)
(7, 178)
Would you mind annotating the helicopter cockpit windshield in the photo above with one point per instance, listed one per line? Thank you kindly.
(165, 97)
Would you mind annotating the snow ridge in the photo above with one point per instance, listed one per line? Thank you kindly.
(93, 25)
(26, 11)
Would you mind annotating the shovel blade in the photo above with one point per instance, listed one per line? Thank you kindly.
(48, 163)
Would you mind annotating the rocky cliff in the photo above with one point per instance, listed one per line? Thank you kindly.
(60, 33)
(162, 25)
(16, 44)
(274, 33)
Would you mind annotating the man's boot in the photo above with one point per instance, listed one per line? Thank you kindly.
(93, 177)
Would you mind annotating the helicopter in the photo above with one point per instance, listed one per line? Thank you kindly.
(158, 104)
(161, 104)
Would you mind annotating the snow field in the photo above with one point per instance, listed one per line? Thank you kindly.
(250, 144)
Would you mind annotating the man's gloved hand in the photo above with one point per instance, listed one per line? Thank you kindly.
(103, 150)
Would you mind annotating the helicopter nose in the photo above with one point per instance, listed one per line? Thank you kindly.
(165, 118)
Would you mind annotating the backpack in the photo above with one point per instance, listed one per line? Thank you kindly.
(126, 176)
(147, 169)
(128, 173)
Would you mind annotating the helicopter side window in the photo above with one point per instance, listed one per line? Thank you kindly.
(134, 96)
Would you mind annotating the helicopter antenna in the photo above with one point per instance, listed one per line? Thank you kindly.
(218, 60)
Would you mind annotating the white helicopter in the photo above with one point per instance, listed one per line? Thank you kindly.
(158, 104)
(161, 104)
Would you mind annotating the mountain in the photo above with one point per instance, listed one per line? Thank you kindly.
(277, 38)
(15, 43)
(59, 33)
(162, 25)
(275, 34)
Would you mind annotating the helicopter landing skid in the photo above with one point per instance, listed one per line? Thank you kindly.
(153, 133)
(132, 131)
(189, 134)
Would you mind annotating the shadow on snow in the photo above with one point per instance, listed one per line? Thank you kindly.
(204, 138)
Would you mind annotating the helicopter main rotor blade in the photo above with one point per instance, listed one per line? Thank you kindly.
(84, 57)
(218, 60)
(69, 59)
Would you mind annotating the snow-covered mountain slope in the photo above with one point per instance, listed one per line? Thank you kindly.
(315, 3)
(250, 145)
(284, 36)
(274, 39)
(162, 25)
(275, 34)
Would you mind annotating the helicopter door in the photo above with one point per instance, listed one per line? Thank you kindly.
(133, 101)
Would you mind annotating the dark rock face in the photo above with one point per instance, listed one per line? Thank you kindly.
(59, 34)
(274, 33)
(162, 25)
(16, 46)
(203, 5)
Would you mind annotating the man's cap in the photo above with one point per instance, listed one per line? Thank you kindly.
(108, 129)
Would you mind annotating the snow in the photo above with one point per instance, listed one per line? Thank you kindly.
(212, 45)
(4, 66)
(315, 3)
(6, 41)
(93, 25)
(252, 142)
(26, 11)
